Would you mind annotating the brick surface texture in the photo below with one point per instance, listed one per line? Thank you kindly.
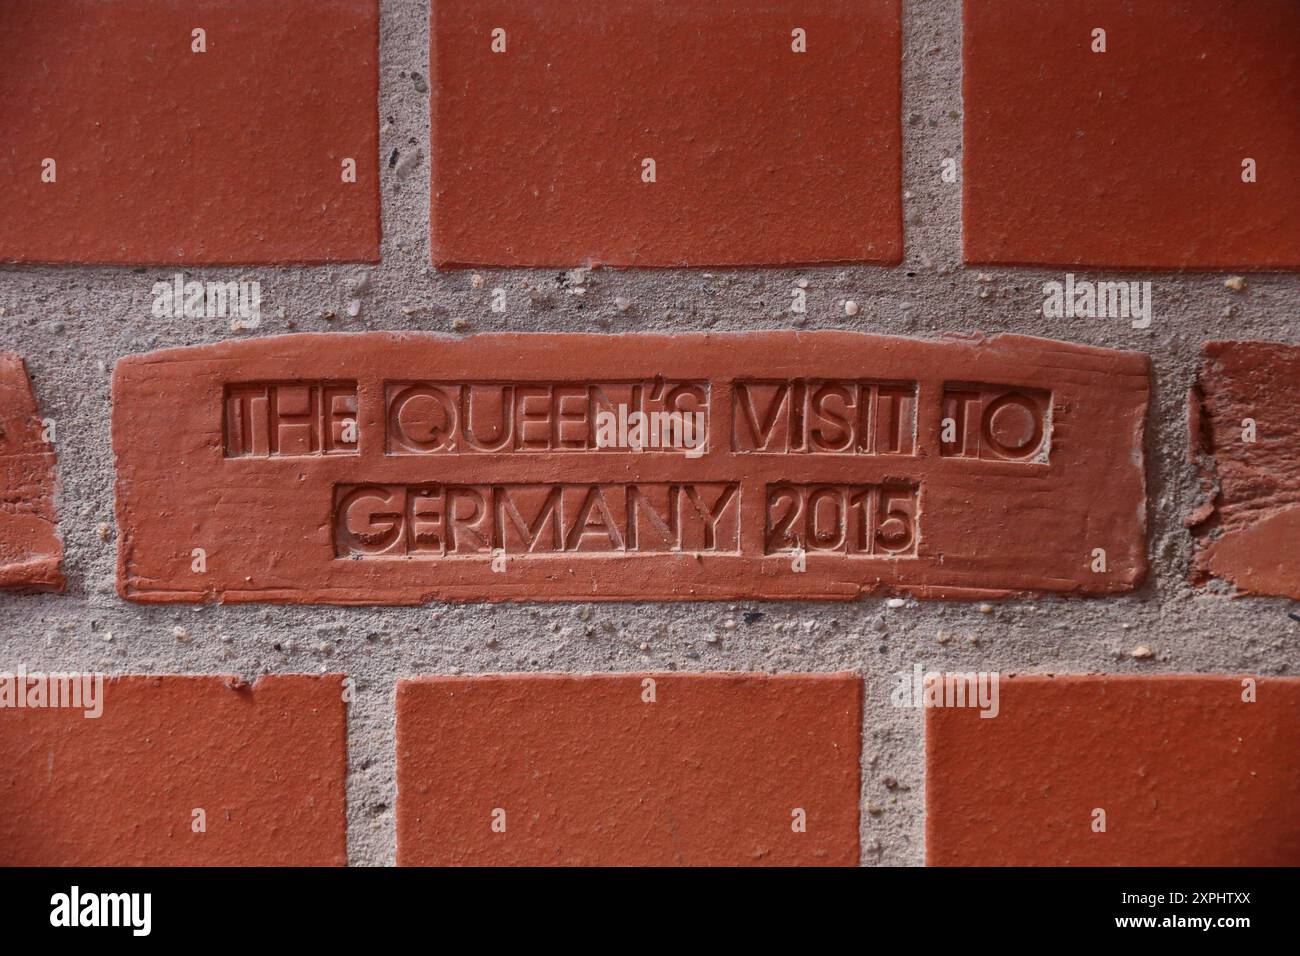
(174, 771)
(629, 769)
(546, 114)
(649, 433)
(30, 549)
(1247, 439)
(165, 153)
(1089, 771)
(1166, 140)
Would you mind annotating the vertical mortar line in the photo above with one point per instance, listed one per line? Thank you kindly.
(1172, 484)
(931, 98)
(371, 779)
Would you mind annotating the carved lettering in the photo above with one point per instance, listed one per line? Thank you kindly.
(872, 520)
(290, 418)
(485, 417)
(824, 417)
(996, 423)
(439, 520)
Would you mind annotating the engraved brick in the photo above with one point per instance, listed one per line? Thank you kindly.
(996, 423)
(1132, 157)
(843, 417)
(162, 154)
(266, 765)
(629, 769)
(290, 419)
(524, 467)
(545, 113)
(1184, 769)
(30, 549)
(1246, 437)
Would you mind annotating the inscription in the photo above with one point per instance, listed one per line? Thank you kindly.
(436, 520)
(878, 520)
(267, 420)
(425, 418)
(995, 422)
(824, 417)
(405, 468)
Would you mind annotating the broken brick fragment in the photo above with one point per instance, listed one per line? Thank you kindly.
(30, 549)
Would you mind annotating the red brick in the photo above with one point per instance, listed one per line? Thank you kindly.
(1248, 531)
(588, 772)
(762, 155)
(164, 155)
(30, 549)
(267, 764)
(1187, 773)
(1132, 157)
(240, 449)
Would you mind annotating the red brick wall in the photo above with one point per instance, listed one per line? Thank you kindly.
(473, 432)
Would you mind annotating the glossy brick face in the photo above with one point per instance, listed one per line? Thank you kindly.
(1133, 157)
(1185, 771)
(629, 769)
(165, 155)
(762, 155)
(265, 763)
